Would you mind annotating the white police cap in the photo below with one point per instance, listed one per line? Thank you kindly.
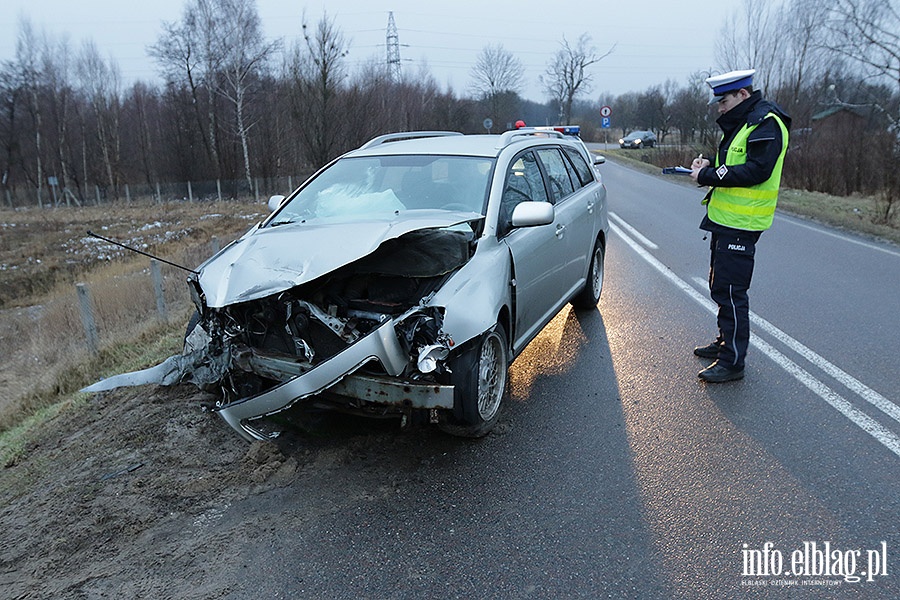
(729, 82)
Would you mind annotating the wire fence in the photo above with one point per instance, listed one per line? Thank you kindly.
(38, 344)
(54, 194)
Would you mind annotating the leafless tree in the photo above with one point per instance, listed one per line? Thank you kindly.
(28, 64)
(56, 66)
(496, 71)
(318, 70)
(867, 32)
(751, 40)
(141, 101)
(567, 76)
(244, 55)
(101, 83)
(188, 54)
(11, 97)
(802, 62)
(497, 79)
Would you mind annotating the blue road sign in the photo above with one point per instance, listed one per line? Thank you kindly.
(605, 122)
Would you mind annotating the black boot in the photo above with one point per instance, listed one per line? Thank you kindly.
(719, 373)
(710, 351)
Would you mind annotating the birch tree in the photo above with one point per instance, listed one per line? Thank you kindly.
(101, 83)
(188, 55)
(57, 69)
(244, 54)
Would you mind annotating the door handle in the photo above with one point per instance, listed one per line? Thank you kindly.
(560, 229)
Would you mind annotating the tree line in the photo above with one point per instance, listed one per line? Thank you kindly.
(233, 105)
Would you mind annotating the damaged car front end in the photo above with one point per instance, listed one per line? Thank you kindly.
(366, 332)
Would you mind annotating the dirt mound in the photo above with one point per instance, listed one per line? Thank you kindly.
(111, 487)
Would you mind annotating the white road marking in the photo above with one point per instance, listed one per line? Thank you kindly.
(634, 232)
(886, 437)
(853, 384)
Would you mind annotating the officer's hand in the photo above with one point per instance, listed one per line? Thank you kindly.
(699, 163)
(696, 165)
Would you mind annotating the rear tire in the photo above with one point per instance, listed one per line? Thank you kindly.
(480, 377)
(589, 295)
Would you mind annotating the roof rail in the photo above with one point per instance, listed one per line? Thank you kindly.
(509, 136)
(405, 135)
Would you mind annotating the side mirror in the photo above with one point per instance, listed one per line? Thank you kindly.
(274, 202)
(532, 214)
(599, 160)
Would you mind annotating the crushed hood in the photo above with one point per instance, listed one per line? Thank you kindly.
(275, 259)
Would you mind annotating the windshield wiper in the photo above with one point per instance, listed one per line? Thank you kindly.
(284, 222)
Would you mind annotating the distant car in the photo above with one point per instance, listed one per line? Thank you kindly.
(638, 139)
(401, 279)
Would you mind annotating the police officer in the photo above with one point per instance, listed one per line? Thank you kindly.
(740, 205)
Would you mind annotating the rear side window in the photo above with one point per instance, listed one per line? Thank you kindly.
(557, 173)
(582, 168)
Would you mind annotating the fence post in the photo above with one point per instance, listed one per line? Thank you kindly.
(158, 289)
(190, 193)
(127, 194)
(256, 188)
(158, 195)
(214, 242)
(87, 317)
(219, 188)
(97, 192)
(290, 185)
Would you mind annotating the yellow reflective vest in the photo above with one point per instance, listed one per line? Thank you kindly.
(749, 208)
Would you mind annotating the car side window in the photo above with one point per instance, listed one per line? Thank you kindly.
(523, 184)
(557, 173)
(584, 171)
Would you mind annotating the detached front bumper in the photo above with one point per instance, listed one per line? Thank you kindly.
(337, 374)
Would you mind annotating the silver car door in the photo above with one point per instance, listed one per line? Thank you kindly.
(574, 218)
(536, 253)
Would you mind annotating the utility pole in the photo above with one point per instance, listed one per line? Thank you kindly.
(393, 49)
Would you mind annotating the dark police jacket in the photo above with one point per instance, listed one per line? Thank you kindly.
(763, 149)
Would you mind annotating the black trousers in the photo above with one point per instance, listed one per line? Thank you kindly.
(730, 271)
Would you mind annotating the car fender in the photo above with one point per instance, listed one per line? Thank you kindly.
(475, 295)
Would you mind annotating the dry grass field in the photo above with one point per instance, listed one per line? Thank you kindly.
(45, 252)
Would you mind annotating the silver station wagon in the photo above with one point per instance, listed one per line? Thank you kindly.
(402, 278)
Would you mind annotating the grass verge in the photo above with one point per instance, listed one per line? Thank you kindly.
(155, 343)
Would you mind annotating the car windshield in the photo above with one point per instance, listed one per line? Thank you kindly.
(377, 186)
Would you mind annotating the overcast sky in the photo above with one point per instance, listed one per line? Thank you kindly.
(654, 40)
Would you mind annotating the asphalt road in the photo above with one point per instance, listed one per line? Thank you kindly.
(616, 473)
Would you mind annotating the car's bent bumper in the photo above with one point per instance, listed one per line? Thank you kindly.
(337, 374)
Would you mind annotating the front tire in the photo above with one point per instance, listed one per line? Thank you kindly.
(479, 376)
(589, 295)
